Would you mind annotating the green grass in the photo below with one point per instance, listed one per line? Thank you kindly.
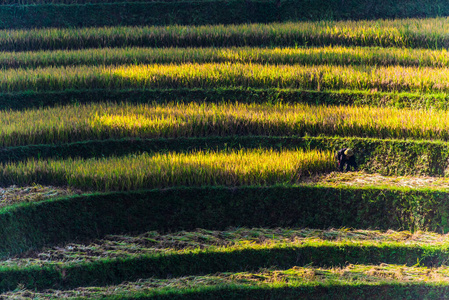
(305, 56)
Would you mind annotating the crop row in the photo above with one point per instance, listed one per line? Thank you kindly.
(408, 33)
(192, 75)
(304, 56)
(28, 226)
(153, 242)
(137, 171)
(242, 257)
(416, 100)
(106, 120)
(355, 282)
(387, 157)
(307, 256)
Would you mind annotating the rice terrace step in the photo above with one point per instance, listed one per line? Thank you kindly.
(187, 149)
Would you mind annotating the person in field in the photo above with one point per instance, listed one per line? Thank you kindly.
(346, 157)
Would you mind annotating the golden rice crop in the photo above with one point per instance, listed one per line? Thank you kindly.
(244, 167)
(306, 56)
(107, 120)
(192, 75)
(413, 33)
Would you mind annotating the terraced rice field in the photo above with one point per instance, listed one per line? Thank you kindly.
(165, 162)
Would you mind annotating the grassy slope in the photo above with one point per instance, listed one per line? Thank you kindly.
(33, 225)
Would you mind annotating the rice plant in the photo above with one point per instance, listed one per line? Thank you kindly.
(303, 56)
(192, 75)
(137, 171)
(411, 33)
(107, 120)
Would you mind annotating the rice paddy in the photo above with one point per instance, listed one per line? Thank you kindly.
(327, 55)
(166, 170)
(427, 33)
(192, 75)
(101, 197)
(71, 123)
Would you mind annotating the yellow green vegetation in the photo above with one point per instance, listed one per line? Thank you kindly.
(192, 75)
(244, 167)
(108, 120)
(308, 56)
(412, 33)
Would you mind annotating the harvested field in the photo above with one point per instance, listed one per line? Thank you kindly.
(15, 195)
(360, 179)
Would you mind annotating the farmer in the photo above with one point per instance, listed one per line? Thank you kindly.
(346, 156)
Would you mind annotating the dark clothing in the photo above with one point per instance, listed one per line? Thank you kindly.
(343, 159)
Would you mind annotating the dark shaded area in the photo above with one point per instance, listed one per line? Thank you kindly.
(361, 9)
(30, 99)
(212, 12)
(137, 14)
(35, 225)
